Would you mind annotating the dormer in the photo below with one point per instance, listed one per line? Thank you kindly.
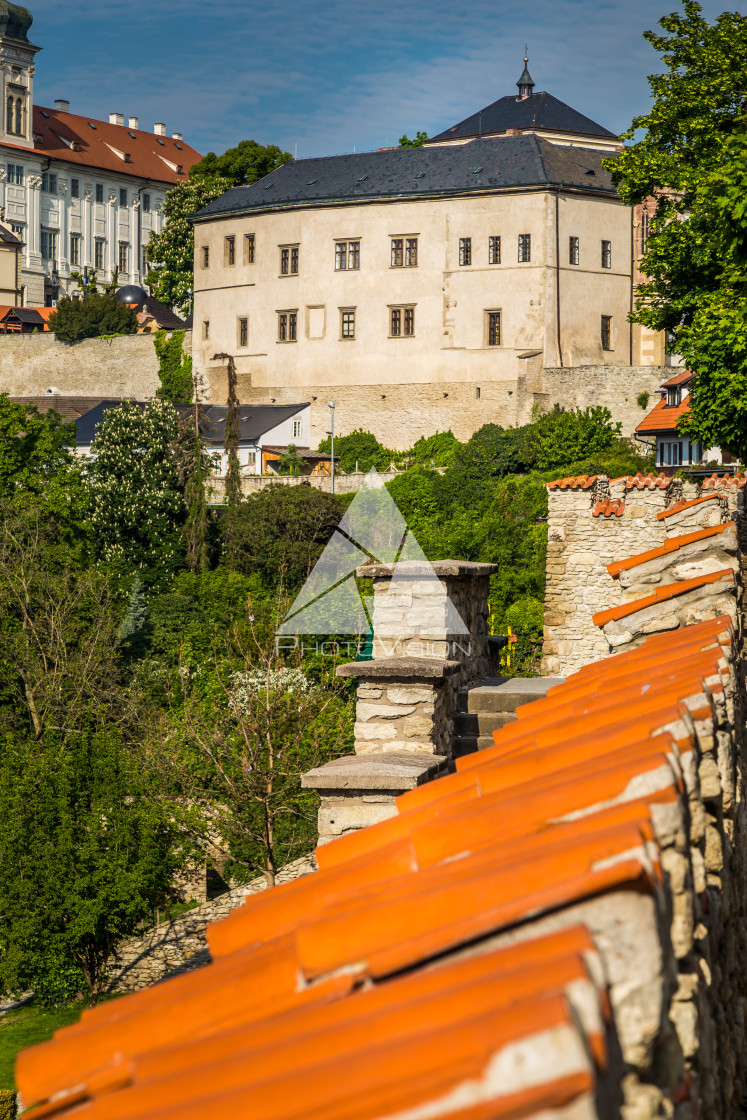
(17, 70)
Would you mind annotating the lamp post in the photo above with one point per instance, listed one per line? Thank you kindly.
(331, 433)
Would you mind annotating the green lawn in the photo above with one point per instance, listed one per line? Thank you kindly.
(28, 1025)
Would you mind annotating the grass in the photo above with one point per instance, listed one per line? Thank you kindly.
(25, 1027)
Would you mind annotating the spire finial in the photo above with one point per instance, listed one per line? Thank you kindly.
(525, 83)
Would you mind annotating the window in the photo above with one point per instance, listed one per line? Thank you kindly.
(49, 244)
(229, 250)
(674, 397)
(645, 226)
(404, 252)
(123, 197)
(494, 250)
(289, 261)
(206, 329)
(243, 332)
(465, 250)
(123, 257)
(74, 249)
(19, 230)
(525, 248)
(15, 174)
(146, 204)
(494, 328)
(297, 427)
(287, 326)
(206, 256)
(248, 248)
(347, 255)
(99, 192)
(606, 254)
(401, 321)
(49, 182)
(145, 260)
(347, 322)
(14, 115)
(75, 188)
(98, 253)
(572, 250)
(606, 332)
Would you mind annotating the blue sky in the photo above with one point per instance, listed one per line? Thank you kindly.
(321, 79)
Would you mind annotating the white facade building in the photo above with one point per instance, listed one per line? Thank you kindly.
(79, 192)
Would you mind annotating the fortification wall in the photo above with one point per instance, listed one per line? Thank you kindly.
(125, 366)
(615, 387)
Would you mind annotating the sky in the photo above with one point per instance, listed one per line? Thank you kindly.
(321, 79)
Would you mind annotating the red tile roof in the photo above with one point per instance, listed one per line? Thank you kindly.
(668, 591)
(671, 545)
(578, 482)
(663, 417)
(683, 378)
(99, 147)
(340, 997)
(715, 482)
(610, 508)
(679, 506)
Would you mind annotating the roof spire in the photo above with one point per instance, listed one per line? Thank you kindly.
(525, 83)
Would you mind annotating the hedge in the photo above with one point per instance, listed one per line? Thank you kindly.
(7, 1104)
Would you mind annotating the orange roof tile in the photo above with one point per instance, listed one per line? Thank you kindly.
(714, 482)
(678, 379)
(669, 591)
(673, 544)
(678, 506)
(578, 482)
(609, 508)
(663, 417)
(647, 481)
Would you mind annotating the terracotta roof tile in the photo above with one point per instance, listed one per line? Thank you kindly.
(663, 417)
(661, 595)
(673, 544)
(647, 482)
(609, 508)
(678, 379)
(679, 506)
(577, 482)
(714, 482)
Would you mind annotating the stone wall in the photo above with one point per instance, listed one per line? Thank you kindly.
(615, 387)
(125, 366)
(344, 483)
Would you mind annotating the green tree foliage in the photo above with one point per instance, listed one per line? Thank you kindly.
(437, 450)
(691, 164)
(36, 461)
(171, 252)
(86, 852)
(98, 315)
(291, 462)
(565, 436)
(417, 142)
(361, 448)
(137, 507)
(246, 163)
(174, 367)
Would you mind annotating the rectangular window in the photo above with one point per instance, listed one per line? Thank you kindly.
(289, 261)
(296, 429)
(294, 261)
(287, 326)
(572, 250)
(606, 332)
(401, 321)
(341, 256)
(99, 192)
(49, 245)
(19, 230)
(248, 248)
(146, 204)
(354, 254)
(123, 257)
(74, 249)
(15, 174)
(404, 252)
(206, 256)
(494, 250)
(145, 260)
(606, 254)
(494, 328)
(243, 332)
(465, 250)
(49, 182)
(397, 252)
(75, 188)
(347, 323)
(525, 248)
(411, 252)
(229, 250)
(123, 197)
(206, 328)
(98, 254)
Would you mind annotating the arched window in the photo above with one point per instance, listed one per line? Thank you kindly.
(19, 116)
(9, 116)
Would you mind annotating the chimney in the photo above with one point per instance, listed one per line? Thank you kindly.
(159, 128)
(116, 118)
(62, 106)
(133, 122)
(176, 136)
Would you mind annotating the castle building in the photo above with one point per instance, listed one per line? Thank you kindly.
(498, 248)
(77, 191)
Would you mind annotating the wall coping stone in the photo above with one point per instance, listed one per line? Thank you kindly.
(395, 770)
(670, 545)
(441, 568)
(679, 506)
(670, 591)
(400, 669)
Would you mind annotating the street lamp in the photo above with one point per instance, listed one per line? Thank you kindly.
(331, 433)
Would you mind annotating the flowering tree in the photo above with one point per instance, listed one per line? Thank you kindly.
(137, 507)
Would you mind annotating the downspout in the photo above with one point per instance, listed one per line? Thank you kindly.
(632, 279)
(557, 276)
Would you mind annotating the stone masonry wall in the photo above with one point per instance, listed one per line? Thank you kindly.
(108, 367)
(615, 387)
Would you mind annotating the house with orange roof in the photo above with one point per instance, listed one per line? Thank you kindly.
(77, 191)
(659, 429)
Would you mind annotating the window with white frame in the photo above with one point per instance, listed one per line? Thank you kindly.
(49, 182)
(123, 257)
(99, 192)
(75, 249)
(15, 174)
(98, 253)
(49, 244)
(297, 429)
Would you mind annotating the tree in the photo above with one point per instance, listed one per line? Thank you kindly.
(690, 169)
(359, 451)
(174, 368)
(562, 436)
(36, 461)
(417, 142)
(171, 252)
(97, 315)
(246, 163)
(291, 462)
(137, 507)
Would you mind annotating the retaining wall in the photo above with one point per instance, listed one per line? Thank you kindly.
(125, 366)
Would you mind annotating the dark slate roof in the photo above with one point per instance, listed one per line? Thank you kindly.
(254, 420)
(85, 427)
(487, 164)
(70, 408)
(541, 110)
(25, 315)
(162, 314)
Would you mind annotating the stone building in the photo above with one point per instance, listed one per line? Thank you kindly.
(457, 271)
(77, 191)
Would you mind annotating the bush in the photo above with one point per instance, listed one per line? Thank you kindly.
(361, 448)
(642, 399)
(562, 437)
(91, 317)
(8, 1109)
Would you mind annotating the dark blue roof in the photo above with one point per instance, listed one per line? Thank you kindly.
(487, 164)
(541, 110)
(254, 420)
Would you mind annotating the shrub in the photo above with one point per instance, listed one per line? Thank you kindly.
(91, 317)
(8, 1109)
(642, 399)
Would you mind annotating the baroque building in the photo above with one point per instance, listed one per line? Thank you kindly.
(77, 191)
